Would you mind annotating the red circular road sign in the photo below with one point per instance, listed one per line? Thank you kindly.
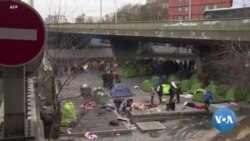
(22, 33)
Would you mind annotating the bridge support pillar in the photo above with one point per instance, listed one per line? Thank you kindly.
(197, 60)
(124, 49)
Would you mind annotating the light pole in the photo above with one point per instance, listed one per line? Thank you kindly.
(115, 11)
(190, 9)
(100, 11)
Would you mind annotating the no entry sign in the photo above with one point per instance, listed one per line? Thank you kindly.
(22, 33)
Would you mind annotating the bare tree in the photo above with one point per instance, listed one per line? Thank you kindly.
(230, 62)
(54, 65)
(129, 12)
(154, 12)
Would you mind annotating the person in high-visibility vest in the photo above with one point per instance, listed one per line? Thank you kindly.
(162, 88)
(160, 92)
(174, 91)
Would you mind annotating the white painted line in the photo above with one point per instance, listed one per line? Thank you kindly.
(18, 34)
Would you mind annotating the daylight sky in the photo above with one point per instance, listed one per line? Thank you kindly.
(73, 8)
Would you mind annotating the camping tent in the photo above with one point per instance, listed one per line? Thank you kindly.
(232, 95)
(185, 85)
(120, 90)
(198, 95)
(195, 86)
(146, 85)
(214, 89)
(68, 114)
(248, 98)
(173, 78)
(155, 80)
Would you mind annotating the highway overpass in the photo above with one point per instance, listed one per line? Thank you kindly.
(127, 38)
(173, 31)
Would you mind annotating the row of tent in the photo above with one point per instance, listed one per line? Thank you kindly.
(220, 92)
(135, 68)
(141, 67)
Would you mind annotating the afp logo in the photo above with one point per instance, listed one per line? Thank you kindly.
(224, 119)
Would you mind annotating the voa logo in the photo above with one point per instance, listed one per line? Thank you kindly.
(224, 119)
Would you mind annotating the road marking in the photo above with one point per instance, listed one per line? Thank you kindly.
(18, 34)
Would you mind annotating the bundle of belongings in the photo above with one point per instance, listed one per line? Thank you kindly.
(114, 122)
(170, 106)
(110, 107)
(88, 105)
(193, 105)
(90, 136)
(139, 106)
(143, 106)
(122, 104)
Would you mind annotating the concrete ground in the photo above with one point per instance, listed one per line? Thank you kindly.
(190, 128)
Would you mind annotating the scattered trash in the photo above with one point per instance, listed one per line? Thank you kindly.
(68, 131)
(88, 105)
(158, 110)
(110, 107)
(123, 119)
(154, 134)
(138, 106)
(136, 87)
(114, 122)
(90, 136)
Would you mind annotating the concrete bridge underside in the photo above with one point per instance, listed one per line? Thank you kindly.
(127, 47)
(128, 38)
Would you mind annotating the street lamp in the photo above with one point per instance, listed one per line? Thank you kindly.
(115, 11)
(100, 11)
(190, 9)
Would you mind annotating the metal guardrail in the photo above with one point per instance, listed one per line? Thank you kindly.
(225, 24)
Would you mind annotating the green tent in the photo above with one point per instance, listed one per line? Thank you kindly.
(222, 90)
(232, 95)
(130, 72)
(195, 77)
(145, 70)
(155, 80)
(101, 98)
(214, 88)
(68, 114)
(173, 78)
(185, 85)
(122, 70)
(195, 86)
(160, 60)
(243, 91)
(146, 85)
(198, 96)
(248, 98)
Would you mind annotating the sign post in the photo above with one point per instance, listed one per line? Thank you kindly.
(22, 39)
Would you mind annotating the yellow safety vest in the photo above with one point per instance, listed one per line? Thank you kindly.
(165, 88)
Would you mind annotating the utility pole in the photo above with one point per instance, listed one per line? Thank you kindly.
(31, 3)
(190, 9)
(100, 11)
(115, 11)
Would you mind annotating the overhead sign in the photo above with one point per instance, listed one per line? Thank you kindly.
(22, 33)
